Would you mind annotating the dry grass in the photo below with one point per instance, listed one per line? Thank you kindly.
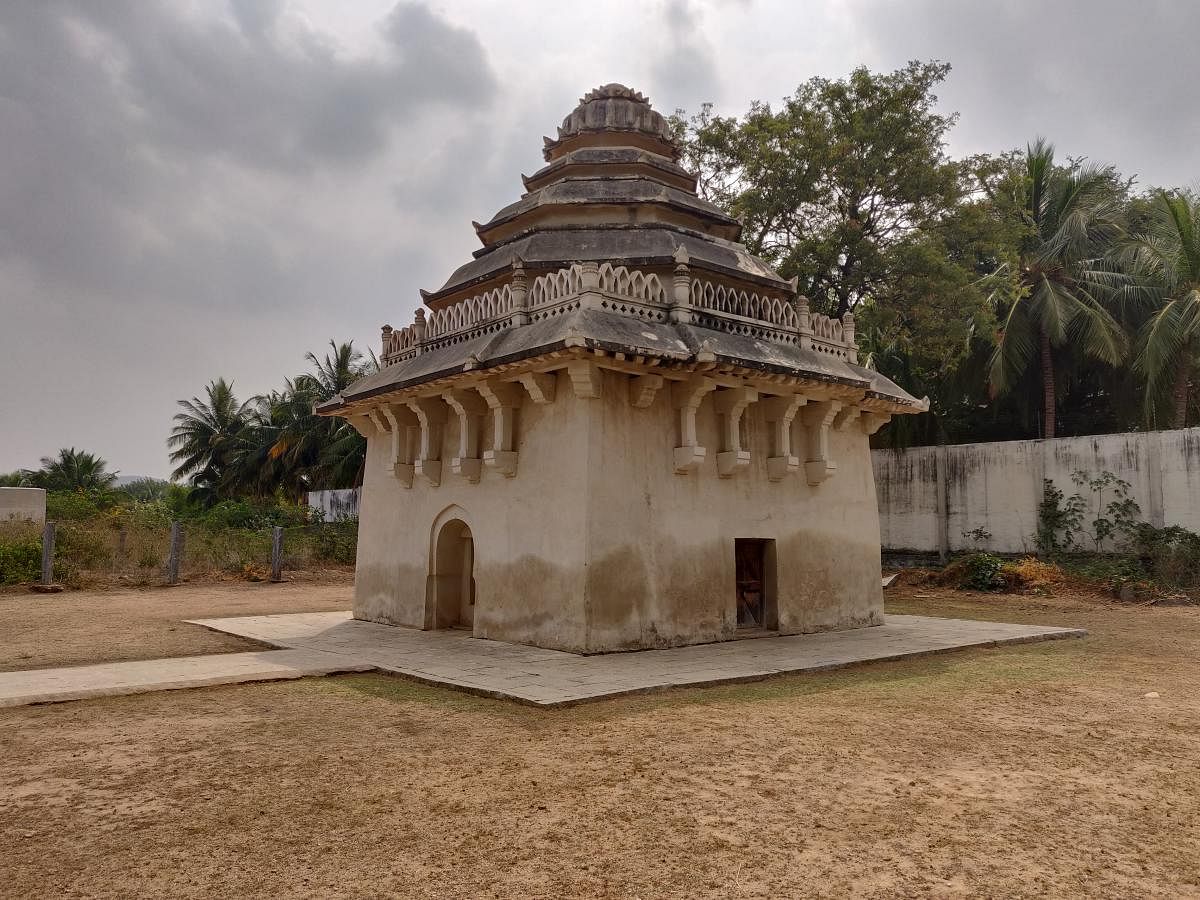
(110, 551)
(1025, 771)
(73, 628)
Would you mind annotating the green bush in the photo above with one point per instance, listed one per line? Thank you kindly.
(20, 559)
(981, 572)
(71, 506)
(336, 541)
(1171, 555)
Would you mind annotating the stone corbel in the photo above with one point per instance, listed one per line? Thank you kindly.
(846, 416)
(469, 407)
(503, 399)
(540, 386)
(362, 424)
(780, 413)
(431, 416)
(381, 428)
(643, 389)
(585, 378)
(873, 421)
(401, 423)
(686, 397)
(817, 417)
(731, 404)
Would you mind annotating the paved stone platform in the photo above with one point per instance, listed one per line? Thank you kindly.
(144, 676)
(552, 678)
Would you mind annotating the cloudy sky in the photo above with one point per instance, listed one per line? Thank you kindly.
(201, 189)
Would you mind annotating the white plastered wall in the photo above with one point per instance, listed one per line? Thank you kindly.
(597, 545)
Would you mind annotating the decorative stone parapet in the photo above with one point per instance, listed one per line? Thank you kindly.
(629, 292)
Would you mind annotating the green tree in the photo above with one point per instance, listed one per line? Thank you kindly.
(1164, 258)
(147, 489)
(71, 470)
(205, 438)
(11, 479)
(1072, 214)
(837, 185)
(284, 446)
(848, 188)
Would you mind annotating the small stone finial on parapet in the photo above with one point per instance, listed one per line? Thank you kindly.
(520, 293)
(418, 327)
(804, 322)
(681, 296)
(589, 281)
(387, 342)
(849, 338)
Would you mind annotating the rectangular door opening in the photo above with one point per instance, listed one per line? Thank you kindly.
(755, 576)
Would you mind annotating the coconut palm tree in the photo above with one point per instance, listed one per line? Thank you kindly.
(206, 436)
(1165, 260)
(72, 470)
(286, 447)
(1072, 216)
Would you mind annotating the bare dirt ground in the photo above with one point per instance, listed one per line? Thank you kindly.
(1037, 770)
(39, 631)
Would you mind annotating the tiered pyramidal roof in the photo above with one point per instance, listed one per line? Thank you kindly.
(611, 251)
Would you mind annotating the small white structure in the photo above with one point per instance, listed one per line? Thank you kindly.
(616, 428)
(22, 504)
(335, 505)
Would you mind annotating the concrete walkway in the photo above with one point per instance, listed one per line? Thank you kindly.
(144, 676)
(332, 642)
(552, 678)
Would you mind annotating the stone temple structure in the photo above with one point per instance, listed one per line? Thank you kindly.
(614, 428)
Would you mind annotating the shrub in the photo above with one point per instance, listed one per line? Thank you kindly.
(974, 571)
(1171, 555)
(72, 506)
(20, 557)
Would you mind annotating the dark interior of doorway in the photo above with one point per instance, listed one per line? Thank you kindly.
(755, 586)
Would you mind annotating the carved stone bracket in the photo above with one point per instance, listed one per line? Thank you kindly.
(686, 397)
(817, 417)
(540, 386)
(846, 416)
(431, 416)
(362, 424)
(730, 404)
(873, 421)
(469, 407)
(503, 399)
(643, 389)
(780, 413)
(585, 378)
(402, 424)
(381, 427)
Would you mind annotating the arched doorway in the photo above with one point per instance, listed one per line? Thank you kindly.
(453, 576)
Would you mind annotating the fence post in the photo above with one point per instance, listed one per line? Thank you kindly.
(48, 554)
(175, 555)
(277, 554)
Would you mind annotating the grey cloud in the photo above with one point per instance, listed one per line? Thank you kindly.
(1109, 79)
(193, 193)
(122, 119)
(685, 71)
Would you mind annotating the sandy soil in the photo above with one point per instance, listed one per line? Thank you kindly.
(39, 631)
(1037, 770)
